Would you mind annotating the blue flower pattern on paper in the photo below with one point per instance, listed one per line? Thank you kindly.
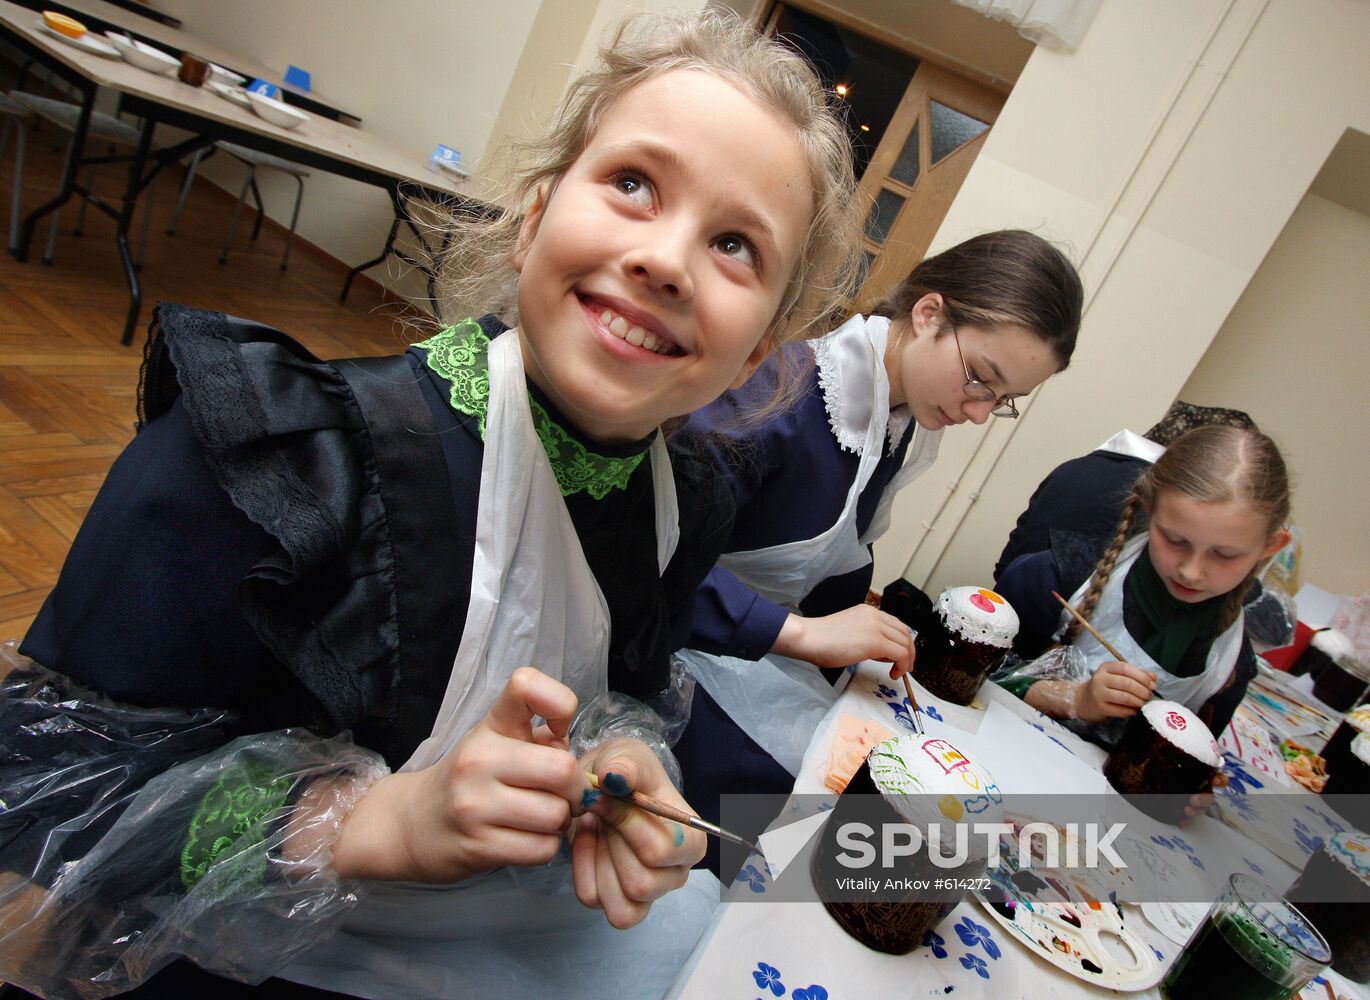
(1177, 843)
(1327, 820)
(935, 941)
(977, 964)
(1308, 840)
(972, 934)
(1240, 803)
(901, 714)
(755, 879)
(899, 705)
(1254, 868)
(1237, 775)
(768, 978)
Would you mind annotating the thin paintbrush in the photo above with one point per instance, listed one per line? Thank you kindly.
(913, 703)
(658, 808)
(1092, 631)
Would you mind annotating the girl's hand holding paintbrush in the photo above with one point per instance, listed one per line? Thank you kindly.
(505, 794)
(623, 857)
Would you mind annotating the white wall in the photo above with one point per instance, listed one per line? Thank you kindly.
(417, 73)
(1295, 354)
(1167, 153)
(462, 72)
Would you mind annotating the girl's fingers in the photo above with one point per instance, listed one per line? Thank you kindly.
(531, 693)
(534, 812)
(619, 910)
(1128, 686)
(639, 883)
(540, 768)
(583, 850)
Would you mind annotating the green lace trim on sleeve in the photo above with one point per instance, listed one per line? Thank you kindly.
(231, 820)
(460, 355)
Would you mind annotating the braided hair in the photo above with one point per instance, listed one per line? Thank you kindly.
(1208, 464)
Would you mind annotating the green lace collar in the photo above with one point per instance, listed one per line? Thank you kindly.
(459, 354)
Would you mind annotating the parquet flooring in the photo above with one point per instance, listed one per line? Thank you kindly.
(67, 387)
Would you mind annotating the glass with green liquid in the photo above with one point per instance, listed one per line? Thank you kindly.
(1253, 944)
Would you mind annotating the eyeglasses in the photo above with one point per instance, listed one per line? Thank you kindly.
(977, 390)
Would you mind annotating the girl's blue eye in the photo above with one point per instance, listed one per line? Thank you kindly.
(635, 187)
(739, 248)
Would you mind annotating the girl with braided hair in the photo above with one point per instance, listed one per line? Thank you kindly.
(1168, 592)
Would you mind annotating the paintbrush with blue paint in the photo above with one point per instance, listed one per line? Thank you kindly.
(658, 808)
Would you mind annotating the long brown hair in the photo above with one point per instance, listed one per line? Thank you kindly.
(1208, 464)
(1008, 276)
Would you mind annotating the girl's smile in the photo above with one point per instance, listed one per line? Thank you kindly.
(652, 270)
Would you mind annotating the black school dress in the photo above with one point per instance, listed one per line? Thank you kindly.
(290, 541)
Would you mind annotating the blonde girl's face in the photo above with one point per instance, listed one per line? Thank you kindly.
(651, 273)
(926, 370)
(1203, 549)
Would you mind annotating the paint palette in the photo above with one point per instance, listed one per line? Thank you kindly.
(1091, 939)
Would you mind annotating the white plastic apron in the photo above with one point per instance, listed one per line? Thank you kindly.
(534, 602)
(1108, 619)
(778, 701)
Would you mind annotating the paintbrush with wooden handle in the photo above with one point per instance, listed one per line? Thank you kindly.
(658, 808)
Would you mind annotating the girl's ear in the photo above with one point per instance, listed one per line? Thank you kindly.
(924, 314)
(529, 228)
(1278, 540)
(753, 362)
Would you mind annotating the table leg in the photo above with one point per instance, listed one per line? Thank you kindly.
(135, 185)
(385, 252)
(68, 185)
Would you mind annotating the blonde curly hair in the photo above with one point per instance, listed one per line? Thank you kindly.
(476, 273)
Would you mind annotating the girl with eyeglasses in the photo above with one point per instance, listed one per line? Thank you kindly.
(965, 334)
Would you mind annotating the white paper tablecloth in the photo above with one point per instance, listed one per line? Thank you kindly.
(796, 950)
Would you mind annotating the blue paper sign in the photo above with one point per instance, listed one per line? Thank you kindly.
(297, 78)
(444, 154)
(264, 87)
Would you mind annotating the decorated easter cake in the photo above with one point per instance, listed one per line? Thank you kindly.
(1165, 750)
(1333, 892)
(924, 783)
(968, 635)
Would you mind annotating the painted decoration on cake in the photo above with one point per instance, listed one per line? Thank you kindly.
(977, 614)
(1351, 849)
(1184, 729)
(926, 778)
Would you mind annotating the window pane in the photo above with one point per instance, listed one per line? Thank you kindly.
(882, 216)
(906, 169)
(864, 268)
(951, 130)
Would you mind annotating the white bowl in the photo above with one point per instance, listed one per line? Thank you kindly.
(217, 74)
(141, 55)
(276, 112)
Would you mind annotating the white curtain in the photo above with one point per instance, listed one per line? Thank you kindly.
(1057, 24)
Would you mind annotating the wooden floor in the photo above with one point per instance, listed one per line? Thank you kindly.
(67, 387)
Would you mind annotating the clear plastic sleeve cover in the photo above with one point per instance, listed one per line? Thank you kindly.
(132, 836)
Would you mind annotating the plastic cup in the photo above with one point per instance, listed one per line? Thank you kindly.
(1252, 944)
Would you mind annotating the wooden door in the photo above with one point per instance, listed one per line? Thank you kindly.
(915, 172)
